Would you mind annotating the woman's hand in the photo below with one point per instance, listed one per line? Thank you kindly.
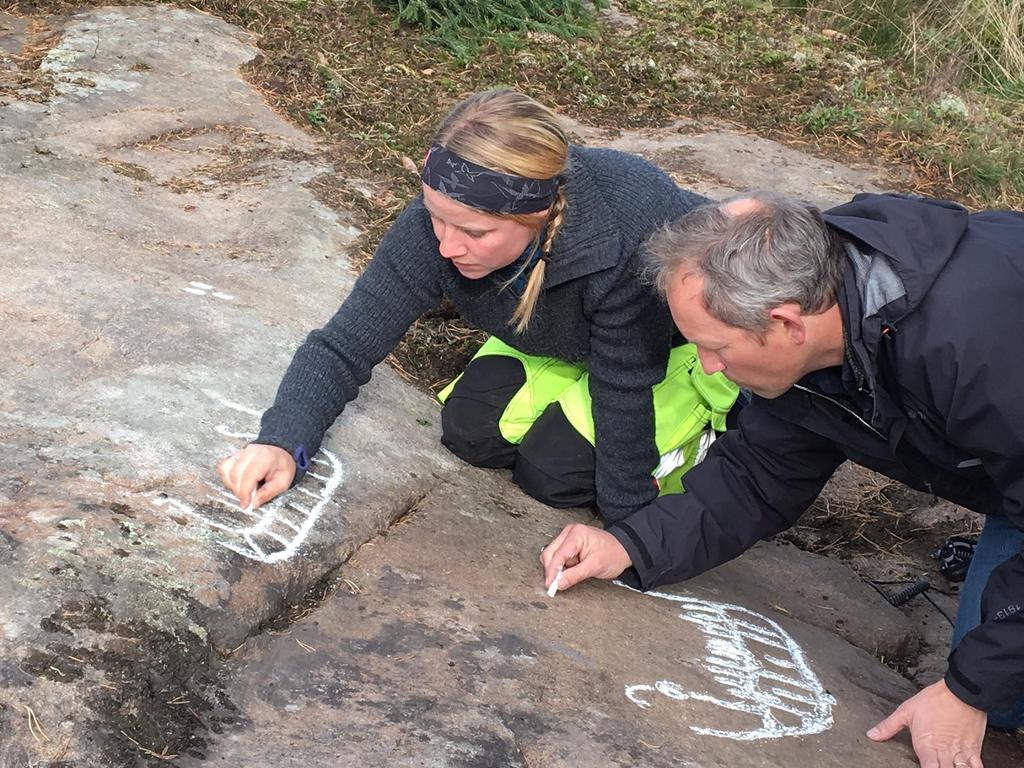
(243, 472)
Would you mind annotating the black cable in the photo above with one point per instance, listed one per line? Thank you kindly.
(939, 609)
(891, 582)
(906, 594)
(918, 587)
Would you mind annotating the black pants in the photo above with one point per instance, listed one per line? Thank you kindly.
(554, 463)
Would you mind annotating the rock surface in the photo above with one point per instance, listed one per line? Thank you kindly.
(164, 256)
(444, 650)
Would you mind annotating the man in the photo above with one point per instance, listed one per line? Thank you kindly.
(888, 331)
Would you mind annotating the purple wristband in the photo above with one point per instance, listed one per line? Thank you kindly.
(301, 459)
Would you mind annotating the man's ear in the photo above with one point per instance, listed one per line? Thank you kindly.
(792, 321)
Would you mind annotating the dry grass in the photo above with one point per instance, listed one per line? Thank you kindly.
(946, 42)
(25, 77)
(989, 35)
(375, 90)
(163, 754)
(861, 513)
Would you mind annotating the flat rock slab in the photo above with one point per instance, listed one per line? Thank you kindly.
(818, 591)
(164, 256)
(719, 161)
(163, 259)
(441, 648)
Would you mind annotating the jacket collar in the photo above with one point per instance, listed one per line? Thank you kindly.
(914, 236)
(870, 285)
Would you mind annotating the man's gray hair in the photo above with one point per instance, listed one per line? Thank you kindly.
(770, 252)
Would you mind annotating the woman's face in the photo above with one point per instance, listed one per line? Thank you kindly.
(476, 244)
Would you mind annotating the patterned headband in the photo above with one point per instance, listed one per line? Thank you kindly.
(482, 188)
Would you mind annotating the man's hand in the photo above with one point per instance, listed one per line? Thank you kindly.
(584, 552)
(946, 732)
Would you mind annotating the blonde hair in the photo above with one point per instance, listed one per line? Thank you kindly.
(506, 131)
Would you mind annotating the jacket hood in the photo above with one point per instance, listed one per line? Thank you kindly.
(915, 236)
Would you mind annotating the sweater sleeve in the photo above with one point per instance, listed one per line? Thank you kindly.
(401, 282)
(630, 339)
(630, 333)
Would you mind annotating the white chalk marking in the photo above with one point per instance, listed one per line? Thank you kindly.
(202, 289)
(232, 405)
(288, 522)
(279, 539)
(222, 493)
(222, 429)
(258, 552)
(241, 536)
(736, 660)
(233, 504)
(554, 583)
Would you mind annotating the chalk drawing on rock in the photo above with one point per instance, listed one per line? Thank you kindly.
(277, 530)
(762, 670)
(202, 289)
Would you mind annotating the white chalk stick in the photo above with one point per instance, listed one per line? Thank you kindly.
(554, 584)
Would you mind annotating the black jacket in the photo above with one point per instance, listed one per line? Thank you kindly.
(932, 394)
(594, 309)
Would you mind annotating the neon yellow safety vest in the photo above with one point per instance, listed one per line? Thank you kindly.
(689, 405)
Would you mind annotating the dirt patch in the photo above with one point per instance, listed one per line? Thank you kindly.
(154, 695)
(864, 515)
(22, 78)
(436, 349)
(238, 156)
(131, 170)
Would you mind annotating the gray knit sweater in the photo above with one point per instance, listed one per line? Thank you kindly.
(593, 310)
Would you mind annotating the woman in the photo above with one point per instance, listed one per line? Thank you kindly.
(537, 243)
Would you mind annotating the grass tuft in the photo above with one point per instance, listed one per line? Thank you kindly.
(374, 86)
(463, 25)
(962, 42)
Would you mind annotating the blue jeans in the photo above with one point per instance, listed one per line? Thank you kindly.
(1000, 540)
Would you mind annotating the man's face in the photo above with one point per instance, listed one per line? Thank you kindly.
(768, 367)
